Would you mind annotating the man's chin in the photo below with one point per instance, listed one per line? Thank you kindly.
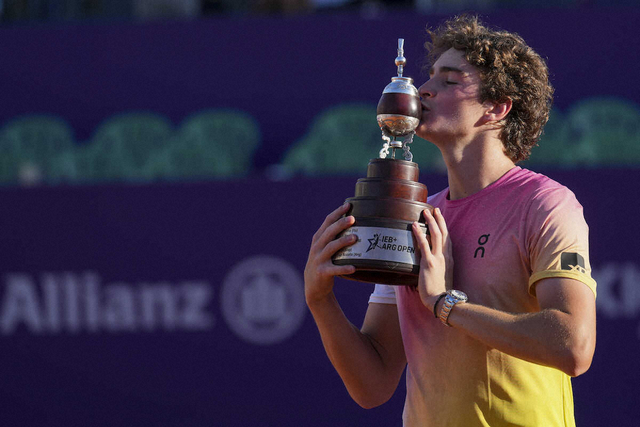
(423, 131)
(429, 135)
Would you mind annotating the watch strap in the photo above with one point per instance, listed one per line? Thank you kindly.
(450, 300)
(435, 306)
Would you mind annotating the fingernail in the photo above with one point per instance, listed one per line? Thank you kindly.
(438, 210)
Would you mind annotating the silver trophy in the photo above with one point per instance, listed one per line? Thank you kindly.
(390, 198)
(399, 110)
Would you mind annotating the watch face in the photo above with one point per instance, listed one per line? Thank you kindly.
(458, 295)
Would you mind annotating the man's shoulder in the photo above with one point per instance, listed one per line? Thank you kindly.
(519, 186)
(543, 198)
(538, 186)
(533, 179)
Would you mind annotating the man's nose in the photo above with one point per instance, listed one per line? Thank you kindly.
(425, 91)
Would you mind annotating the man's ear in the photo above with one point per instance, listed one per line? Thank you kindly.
(497, 111)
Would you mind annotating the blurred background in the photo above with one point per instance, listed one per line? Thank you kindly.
(164, 164)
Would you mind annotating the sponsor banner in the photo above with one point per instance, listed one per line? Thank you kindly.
(263, 300)
(68, 302)
(379, 243)
(184, 305)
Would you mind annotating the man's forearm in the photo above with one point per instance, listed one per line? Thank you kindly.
(548, 337)
(357, 357)
(561, 334)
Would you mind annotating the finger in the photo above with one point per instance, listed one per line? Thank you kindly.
(328, 238)
(335, 245)
(335, 229)
(421, 239)
(331, 219)
(442, 224)
(434, 231)
(338, 270)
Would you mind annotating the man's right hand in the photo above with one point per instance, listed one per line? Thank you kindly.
(320, 271)
(369, 361)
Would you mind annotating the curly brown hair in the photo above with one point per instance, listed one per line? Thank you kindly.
(509, 69)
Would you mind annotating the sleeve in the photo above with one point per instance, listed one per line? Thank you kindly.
(559, 238)
(383, 294)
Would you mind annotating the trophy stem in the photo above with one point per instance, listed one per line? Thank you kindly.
(400, 60)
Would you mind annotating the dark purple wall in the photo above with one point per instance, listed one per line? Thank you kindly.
(134, 305)
(283, 71)
(115, 367)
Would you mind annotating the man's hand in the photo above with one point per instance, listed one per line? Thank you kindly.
(320, 270)
(436, 259)
(369, 361)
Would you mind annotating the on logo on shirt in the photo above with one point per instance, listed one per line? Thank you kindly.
(482, 240)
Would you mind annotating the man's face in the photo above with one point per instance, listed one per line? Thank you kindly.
(450, 100)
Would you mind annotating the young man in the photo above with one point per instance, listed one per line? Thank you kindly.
(504, 313)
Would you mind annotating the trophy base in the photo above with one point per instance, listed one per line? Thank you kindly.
(384, 273)
(384, 253)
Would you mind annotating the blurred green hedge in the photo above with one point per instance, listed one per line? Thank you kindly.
(221, 144)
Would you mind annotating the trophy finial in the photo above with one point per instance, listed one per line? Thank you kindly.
(399, 110)
(400, 60)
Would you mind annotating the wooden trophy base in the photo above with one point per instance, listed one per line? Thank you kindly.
(386, 204)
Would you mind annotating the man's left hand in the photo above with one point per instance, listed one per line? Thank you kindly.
(436, 259)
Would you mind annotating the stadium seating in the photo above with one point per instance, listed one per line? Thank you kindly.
(122, 146)
(605, 132)
(30, 146)
(210, 144)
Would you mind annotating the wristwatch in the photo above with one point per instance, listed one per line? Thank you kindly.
(453, 297)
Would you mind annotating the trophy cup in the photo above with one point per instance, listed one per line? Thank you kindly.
(390, 198)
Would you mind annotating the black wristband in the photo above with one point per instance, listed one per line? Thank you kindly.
(435, 313)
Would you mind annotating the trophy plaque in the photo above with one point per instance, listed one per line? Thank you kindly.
(390, 198)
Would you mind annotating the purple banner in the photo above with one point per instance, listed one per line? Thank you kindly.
(182, 305)
(282, 71)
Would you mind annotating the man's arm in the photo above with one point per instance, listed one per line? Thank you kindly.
(561, 335)
(370, 361)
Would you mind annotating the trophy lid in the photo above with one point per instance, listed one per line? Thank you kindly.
(401, 84)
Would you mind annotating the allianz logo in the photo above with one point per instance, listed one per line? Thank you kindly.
(79, 302)
(261, 301)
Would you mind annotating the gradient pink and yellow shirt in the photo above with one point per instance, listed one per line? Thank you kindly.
(520, 229)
